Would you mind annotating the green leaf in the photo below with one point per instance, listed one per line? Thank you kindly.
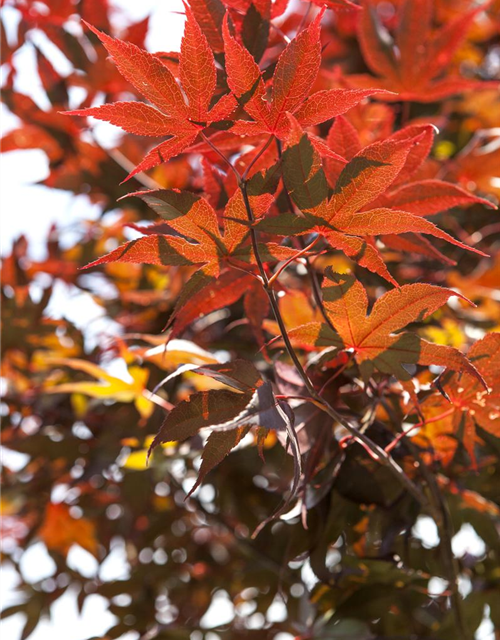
(303, 175)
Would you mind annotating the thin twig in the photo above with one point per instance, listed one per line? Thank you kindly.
(282, 35)
(126, 164)
(222, 156)
(403, 434)
(304, 18)
(382, 457)
(301, 254)
(442, 517)
(337, 373)
(264, 148)
(158, 400)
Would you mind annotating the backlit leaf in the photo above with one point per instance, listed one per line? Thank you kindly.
(371, 337)
(60, 530)
(470, 405)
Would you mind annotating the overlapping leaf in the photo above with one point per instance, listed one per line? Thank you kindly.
(171, 115)
(468, 406)
(230, 415)
(415, 61)
(420, 197)
(199, 240)
(292, 80)
(109, 387)
(352, 216)
(371, 338)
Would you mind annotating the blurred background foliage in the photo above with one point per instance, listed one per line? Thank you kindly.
(79, 415)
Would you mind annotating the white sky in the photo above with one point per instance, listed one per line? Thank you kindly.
(31, 210)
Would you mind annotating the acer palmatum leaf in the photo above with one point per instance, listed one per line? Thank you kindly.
(370, 337)
(294, 75)
(470, 405)
(173, 116)
(414, 63)
(229, 415)
(345, 219)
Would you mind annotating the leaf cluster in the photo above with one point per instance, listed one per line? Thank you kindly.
(297, 366)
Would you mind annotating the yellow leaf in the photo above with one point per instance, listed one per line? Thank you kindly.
(109, 387)
(136, 460)
(449, 333)
(79, 403)
(176, 352)
(144, 406)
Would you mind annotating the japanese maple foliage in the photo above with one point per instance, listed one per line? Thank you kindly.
(299, 274)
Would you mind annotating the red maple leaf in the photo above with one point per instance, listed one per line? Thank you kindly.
(371, 338)
(171, 115)
(196, 240)
(350, 217)
(420, 197)
(293, 78)
(415, 61)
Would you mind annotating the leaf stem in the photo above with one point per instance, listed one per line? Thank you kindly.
(382, 457)
(263, 149)
(403, 434)
(223, 157)
(301, 254)
(127, 165)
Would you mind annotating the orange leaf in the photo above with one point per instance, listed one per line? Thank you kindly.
(60, 530)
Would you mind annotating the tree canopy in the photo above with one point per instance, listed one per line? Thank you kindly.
(297, 263)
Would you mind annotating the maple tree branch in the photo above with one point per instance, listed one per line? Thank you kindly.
(441, 515)
(381, 456)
